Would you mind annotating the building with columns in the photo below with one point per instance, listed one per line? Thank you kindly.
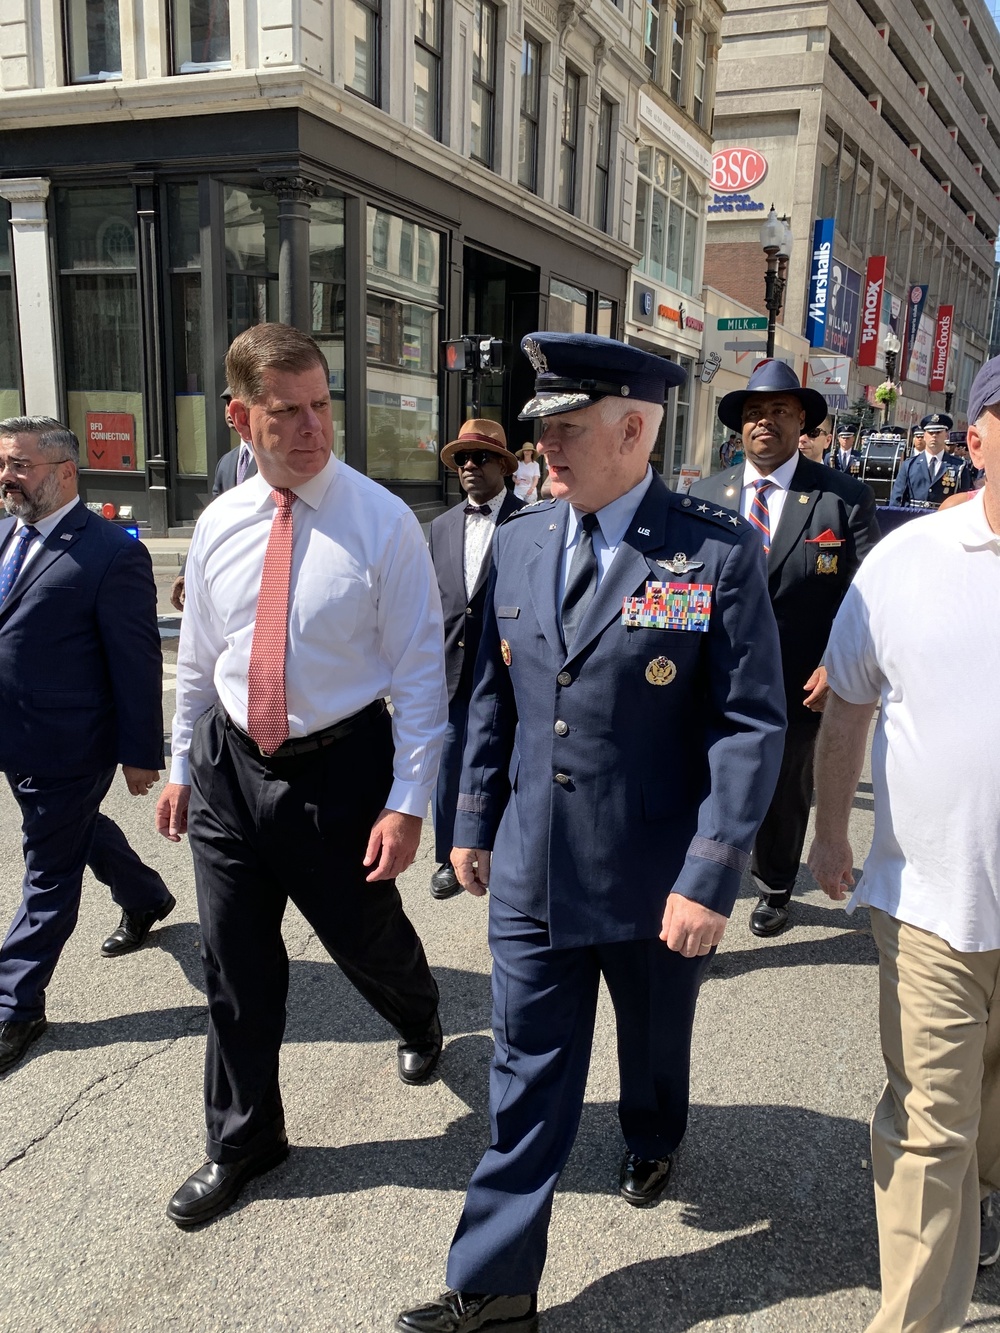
(384, 176)
(882, 117)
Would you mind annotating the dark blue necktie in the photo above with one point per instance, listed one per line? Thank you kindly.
(582, 582)
(10, 571)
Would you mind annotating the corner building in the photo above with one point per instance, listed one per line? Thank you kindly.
(885, 118)
(385, 176)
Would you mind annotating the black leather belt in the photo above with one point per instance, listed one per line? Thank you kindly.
(294, 747)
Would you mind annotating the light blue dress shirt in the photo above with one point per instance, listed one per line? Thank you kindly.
(612, 524)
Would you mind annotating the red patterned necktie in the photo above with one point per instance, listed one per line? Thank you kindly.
(760, 515)
(267, 711)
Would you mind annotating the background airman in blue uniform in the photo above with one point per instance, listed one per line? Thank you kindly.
(935, 473)
(624, 739)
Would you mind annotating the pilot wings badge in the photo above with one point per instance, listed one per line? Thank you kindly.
(680, 564)
(536, 356)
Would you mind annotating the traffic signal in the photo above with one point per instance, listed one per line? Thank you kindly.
(473, 353)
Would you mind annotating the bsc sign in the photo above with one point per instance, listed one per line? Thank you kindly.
(736, 169)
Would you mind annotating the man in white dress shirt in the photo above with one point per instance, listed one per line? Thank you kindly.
(931, 881)
(310, 598)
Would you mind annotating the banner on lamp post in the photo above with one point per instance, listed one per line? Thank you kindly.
(942, 346)
(871, 311)
(915, 299)
(819, 281)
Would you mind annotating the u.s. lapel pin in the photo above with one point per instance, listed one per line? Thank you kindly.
(803, 499)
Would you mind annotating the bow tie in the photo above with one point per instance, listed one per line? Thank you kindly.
(477, 509)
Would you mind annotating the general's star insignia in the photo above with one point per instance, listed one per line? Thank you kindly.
(735, 521)
(703, 509)
(719, 513)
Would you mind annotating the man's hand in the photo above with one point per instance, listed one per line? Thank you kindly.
(831, 861)
(393, 843)
(816, 690)
(472, 866)
(140, 780)
(689, 928)
(172, 811)
(177, 593)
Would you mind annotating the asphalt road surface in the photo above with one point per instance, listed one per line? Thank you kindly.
(769, 1224)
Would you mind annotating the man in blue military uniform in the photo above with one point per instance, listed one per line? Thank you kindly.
(624, 738)
(845, 458)
(935, 473)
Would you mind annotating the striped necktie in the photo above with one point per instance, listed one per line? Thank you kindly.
(10, 571)
(267, 709)
(759, 514)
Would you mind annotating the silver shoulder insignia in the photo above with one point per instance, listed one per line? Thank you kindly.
(734, 519)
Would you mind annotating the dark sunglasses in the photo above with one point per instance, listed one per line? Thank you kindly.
(814, 434)
(477, 456)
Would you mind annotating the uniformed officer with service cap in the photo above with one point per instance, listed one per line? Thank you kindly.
(930, 476)
(623, 742)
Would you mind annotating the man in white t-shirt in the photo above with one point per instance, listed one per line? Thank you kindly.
(931, 881)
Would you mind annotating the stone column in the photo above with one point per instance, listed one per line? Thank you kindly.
(293, 194)
(35, 298)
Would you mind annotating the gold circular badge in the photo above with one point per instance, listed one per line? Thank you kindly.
(660, 671)
(505, 652)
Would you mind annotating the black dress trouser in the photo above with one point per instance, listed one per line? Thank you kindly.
(264, 831)
(777, 851)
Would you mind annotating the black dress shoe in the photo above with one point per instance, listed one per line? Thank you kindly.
(642, 1180)
(16, 1035)
(417, 1060)
(467, 1312)
(214, 1186)
(768, 919)
(444, 882)
(133, 929)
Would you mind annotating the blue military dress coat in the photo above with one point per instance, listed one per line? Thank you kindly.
(913, 480)
(640, 762)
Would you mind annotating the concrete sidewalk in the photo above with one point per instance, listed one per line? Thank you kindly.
(769, 1224)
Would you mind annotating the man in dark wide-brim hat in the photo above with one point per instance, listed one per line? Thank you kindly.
(816, 525)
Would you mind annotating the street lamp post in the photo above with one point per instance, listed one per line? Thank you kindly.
(949, 394)
(891, 346)
(776, 242)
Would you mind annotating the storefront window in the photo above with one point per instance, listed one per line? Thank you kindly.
(567, 308)
(93, 40)
(184, 254)
(667, 220)
(201, 35)
(102, 338)
(326, 273)
(251, 257)
(10, 362)
(401, 332)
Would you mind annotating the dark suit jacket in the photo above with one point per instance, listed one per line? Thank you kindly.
(463, 616)
(225, 473)
(642, 760)
(806, 587)
(80, 659)
(913, 481)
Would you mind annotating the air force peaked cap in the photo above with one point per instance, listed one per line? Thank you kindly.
(574, 370)
(773, 377)
(985, 390)
(937, 421)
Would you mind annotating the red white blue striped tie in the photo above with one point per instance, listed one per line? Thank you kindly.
(759, 514)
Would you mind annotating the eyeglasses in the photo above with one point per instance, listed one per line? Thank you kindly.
(20, 467)
(477, 456)
(815, 434)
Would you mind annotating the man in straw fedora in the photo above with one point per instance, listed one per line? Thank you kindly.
(459, 543)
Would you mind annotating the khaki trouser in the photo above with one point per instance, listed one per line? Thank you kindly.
(936, 1129)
